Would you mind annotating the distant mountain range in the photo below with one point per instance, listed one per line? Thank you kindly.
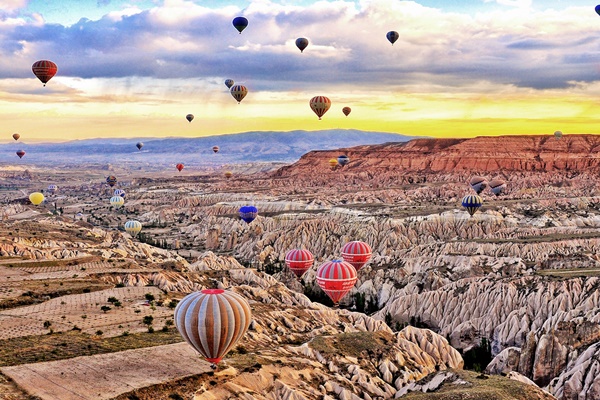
(234, 148)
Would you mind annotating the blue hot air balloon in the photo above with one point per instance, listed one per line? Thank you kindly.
(248, 213)
(472, 203)
(598, 9)
(119, 192)
(343, 160)
(240, 23)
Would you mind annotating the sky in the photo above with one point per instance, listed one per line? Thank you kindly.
(460, 68)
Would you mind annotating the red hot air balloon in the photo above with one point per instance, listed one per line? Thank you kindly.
(239, 92)
(336, 278)
(356, 253)
(212, 321)
(20, 153)
(346, 111)
(179, 167)
(299, 261)
(16, 136)
(215, 149)
(320, 105)
(44, 70)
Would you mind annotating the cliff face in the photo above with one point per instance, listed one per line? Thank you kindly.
(483, 154)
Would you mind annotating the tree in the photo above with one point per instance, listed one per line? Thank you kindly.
(105, 309)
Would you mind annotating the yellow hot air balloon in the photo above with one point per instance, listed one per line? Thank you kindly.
(333, 162)
(133, 227)
(36, 198)
(117, 202)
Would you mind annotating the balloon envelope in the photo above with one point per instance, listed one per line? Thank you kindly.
(16, 136)
(240, 23)
(333, 162)
(229, 83)
(20, 153)
(248, 213)
(497, 186)
(299, 261)
(301, 43)
(228, 174)
(117, 202)
(52, 189)
(336, 278)
(189, 117)
(215, 149)
(139, 145)
(356, 253)
(44, 70)
(472, 203)
(239, 92)
(598, 9)
(133, 227)
(111, 180)
(212, 321)
(179, 167)
(320, 105)
(346, 111)
(558, 134)
(343, 160)
(392, 36)
(36, 198)
(119, 192)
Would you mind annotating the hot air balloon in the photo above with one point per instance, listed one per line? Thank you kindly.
(356, 253)
(299, 261)
(346, 111)
(189, 117)
(248, 213)
(320, 105)
(301, 43)
(139, 145)
(240, 23)
(598, 9)
(228, 174)
(392, 36)
(117, 202)
(44, 70)
(52, 189)
(179, 167)
(215, 149)
(212, 321)
(111, 180)
(343, 160)
(333, 162)
(478, 184)
(558, 134)
(229, 83)
(20, 153)
(239, 92)
(36, 198)
(133, 227)
(497, 186)
(16, 136)
(336, 278)
(472, 203)
(119, 192)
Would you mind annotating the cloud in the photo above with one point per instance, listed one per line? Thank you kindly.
(348, 48)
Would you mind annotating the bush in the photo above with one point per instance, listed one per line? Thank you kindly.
(112, 299)
(105, 309)
(148, 320)
(149, 297)
(99, 332)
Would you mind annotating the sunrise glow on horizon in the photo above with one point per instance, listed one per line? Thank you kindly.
(134, 70)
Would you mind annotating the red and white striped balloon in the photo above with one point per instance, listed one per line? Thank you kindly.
(212, 321)
(299, 261)
(320, 105)
(336, 278)
(356, 253)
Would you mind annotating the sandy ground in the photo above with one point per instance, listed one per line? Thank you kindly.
(107, 375)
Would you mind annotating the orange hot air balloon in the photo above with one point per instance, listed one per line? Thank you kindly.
(179, 167)
(212, 321)
(16, 136)
(20, 153)
(239, 92)
(228, 174)
(356, 253)
(44, 70)
(346, 110)
(320, 105)
(336, 278)
(299, 261)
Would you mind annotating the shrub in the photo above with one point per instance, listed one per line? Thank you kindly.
(149, 297)
(99, 332)
(105, 309)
